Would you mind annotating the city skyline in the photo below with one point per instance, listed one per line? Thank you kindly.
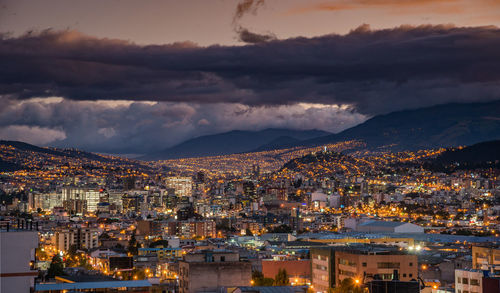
(250, 146)
(113, 83)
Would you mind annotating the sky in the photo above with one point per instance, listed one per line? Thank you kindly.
(119, 76)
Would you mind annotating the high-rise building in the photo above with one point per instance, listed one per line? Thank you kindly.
(182, 185)
(129, 183)
(83, 238)
(90, 196)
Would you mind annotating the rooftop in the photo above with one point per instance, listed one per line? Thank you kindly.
(91, 285)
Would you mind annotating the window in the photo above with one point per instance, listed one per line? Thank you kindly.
(388, 265)
(321, 267)
(411, 275)
(222, 258)
(346, 262)
(404, 275)
(474, 282)
(465, 281)
(411, 264)
(364, 264)
(459, 280)
(347, 273)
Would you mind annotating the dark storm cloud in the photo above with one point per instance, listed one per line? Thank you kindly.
(140, 127)
(243, 34)
(374, 71)
(247, 36)
(245, 7)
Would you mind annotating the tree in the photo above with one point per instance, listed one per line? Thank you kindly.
(157, 243)
(56, 267)
(281, 278)
(132, 245)
(259, 279)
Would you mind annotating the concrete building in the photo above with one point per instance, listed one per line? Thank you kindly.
(299, 271)
(86, 238)
(163, 253)
(90, 196)
(189, 229)
(388, 227)
(486, 258)
(17, 257)
(209, 270)
(182, 185)
(149, 228)
(330, 265)
(468, 281)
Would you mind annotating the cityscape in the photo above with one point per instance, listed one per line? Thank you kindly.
(250, 146)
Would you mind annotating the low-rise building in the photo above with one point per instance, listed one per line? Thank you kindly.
(363, 263)
(209, 270)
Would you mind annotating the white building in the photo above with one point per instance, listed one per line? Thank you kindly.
(90, 196)
(17, 253)
(182, 185)
(470, 281)
(388, 227)
(86, 238)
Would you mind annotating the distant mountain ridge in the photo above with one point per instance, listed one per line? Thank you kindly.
(444, 125)
(236, 141)
(438, 126)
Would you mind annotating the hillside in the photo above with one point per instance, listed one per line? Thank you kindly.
(481, 155)
(236, 141)
(16, 155)
(438, 126)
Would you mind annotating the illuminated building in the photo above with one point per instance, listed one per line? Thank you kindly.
(83, 238)
(182, 185)
(330, 265)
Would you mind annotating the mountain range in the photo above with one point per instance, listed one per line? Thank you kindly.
(232, 142)
(438, 126)
(445, 125)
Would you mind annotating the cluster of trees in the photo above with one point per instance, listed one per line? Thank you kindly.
(281, 279)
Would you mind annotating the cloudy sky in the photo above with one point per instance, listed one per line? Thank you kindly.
(120, 76)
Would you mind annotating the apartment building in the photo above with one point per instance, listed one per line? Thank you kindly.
(363, 263)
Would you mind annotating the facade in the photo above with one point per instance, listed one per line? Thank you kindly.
(182, 185)
(468, 281)
(86, 238)
(163, 253)
(189, 229)
(486, 258)
(45, 201)
(209, 270)
(90, 196)
(330, 265)
(149, 228)
(17, 255)
(299, 271)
